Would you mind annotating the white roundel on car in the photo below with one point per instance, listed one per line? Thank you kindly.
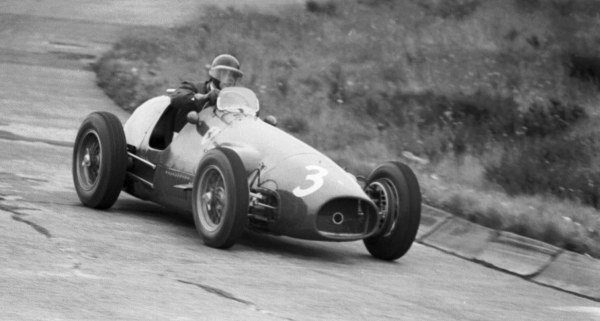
(238, 100)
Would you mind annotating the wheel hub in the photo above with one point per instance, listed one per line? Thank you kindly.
(89, 157)
(377, 192)
(213, 198)
(87, 161)
(383, 194)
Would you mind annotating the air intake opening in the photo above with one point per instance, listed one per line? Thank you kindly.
(346, 217)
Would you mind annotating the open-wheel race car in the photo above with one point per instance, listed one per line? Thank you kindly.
(233, 171)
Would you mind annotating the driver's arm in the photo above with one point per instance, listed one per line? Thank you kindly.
(208, 99)
(184, 96)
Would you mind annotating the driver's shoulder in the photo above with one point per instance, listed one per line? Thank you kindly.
(188, 85)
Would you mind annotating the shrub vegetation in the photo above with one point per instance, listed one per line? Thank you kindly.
(491, 95)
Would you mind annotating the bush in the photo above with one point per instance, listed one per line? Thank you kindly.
(376, 3)
(579, 7)
(128, 83)
(337, 83)
(473, 120)
(340, 85)
(321, 7)
(295, 125)
(147, 48)
(527, 6)
(467, 122)
(455, 9)
(586, 68)
(562, 167)
(480, 111)
(554, 117)
(488, 113)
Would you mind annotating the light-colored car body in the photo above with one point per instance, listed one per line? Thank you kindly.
(295, 190)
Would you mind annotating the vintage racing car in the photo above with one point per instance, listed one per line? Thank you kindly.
(232, 170)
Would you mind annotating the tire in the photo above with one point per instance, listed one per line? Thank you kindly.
(99, 160)
(220, 198)
(394, 187)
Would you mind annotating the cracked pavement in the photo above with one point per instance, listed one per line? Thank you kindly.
(136, 261)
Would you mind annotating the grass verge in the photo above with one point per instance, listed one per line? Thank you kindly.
(470, 94)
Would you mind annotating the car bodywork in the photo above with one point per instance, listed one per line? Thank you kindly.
(294, 189)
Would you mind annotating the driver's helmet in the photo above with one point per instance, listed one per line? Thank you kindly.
(225, 64)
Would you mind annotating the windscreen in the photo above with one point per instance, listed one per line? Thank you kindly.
(238, 100)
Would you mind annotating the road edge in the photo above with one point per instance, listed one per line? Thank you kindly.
(530, 259)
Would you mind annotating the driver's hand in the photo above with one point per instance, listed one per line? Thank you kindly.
(198, 96)
(213, 94)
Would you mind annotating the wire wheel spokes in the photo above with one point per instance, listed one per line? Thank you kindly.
(89, 156)
(385, 197)
(212, 197)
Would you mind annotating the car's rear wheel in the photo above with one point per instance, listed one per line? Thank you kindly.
(99, 160)
(395, 190)
(220, 198)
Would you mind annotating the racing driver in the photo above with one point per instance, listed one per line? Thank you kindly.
(224, 72)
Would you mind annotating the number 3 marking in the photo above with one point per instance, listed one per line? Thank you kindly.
(316, 179)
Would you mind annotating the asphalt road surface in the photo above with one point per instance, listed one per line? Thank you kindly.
(61, 261)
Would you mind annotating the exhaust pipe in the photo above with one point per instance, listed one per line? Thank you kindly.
(337, 218)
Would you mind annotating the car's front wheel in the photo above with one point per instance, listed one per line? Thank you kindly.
(99, 160)
(220, 198)
(395, 190)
